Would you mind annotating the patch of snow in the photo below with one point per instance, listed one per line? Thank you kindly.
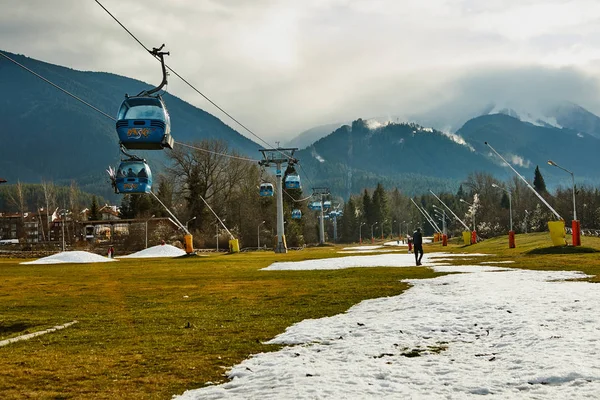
(367, 251)
(533, 115)
(518, 160)
(497, 262)
(493, 331)
(458, 139)
(362, 248)
(165, 250)
(386, 260)
(75, 257)
(317, 156)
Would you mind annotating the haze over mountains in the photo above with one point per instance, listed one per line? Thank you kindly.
(48, 135)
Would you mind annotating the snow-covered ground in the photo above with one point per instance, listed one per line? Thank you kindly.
(70, 257)
(83, 257)
(164, 250)
(362, 248)
(493, 331)
(384, 260)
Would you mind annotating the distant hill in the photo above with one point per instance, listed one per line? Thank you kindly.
(46, 134)
(417, 159)
(409, 156)
(530, 145)
(310, 136)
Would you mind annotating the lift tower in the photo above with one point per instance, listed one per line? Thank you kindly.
(321, 192)
(276, 158)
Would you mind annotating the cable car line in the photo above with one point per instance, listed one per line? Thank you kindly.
(188, 83)
(297, 201)
(109, 116)
(216, 153)
(58, 87)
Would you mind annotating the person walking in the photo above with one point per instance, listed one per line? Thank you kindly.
(418, 245)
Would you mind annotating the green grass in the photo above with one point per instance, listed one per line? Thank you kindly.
(154, 328)
(150, 329)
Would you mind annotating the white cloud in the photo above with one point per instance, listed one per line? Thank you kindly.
(281, 67)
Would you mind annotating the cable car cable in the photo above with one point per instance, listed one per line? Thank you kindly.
(216, 153)
(297, 201)
(189, 84)
(107, 115)
(57, 87)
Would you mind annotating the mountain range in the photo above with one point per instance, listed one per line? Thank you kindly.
(48, 135)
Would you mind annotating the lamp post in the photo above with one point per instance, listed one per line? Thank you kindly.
(258, 234)
(373, 237)
(575, 227)
(188, 221)
(360, 232)
(217, 234)
(63, 221)
(147, 229)
(442, 214)
(511, 233)
(474, 233)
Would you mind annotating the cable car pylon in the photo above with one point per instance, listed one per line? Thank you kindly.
(322, 192)
(277, 158)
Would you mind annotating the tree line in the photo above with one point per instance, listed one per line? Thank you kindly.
(481, 198)
(211, 179)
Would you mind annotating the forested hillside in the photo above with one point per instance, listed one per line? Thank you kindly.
(47, 135)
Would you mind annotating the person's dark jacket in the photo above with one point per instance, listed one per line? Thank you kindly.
(417, 239)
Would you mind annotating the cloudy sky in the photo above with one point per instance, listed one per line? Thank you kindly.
(284, 66)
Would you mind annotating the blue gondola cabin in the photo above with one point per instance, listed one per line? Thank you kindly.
(266, 190)
(133, 177)
(296, 214)
(292, 181)
(143, 123)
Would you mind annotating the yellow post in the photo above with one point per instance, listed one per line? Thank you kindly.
(466, 237)
(234, 246)
(557, 232)
(188, 243)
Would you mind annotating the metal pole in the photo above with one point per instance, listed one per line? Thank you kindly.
(281, 248)
(574, 207)
(510, 209)
(427, 217)
(448, 208)
(525, 180)
(62, 223)
(147, 228)
(360, 231)
(335, 226)
(217, 236)
(322, 225)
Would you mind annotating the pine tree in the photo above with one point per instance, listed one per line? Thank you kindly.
(367, 208)
(538, 181)
(505, 202)
(94, 210)
(380, 206)
(461, 192)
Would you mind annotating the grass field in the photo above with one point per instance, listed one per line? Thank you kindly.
(154, 328)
